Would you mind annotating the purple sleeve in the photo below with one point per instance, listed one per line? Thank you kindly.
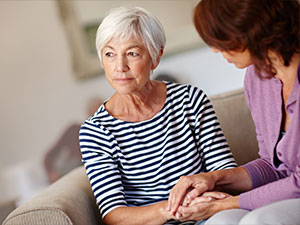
(262, 172)
(271, 192)
(262, 175)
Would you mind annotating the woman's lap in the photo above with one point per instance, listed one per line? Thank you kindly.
(283, 212)
(227, 217)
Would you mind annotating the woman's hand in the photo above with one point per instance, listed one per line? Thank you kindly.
(204, 198)
(198, 184)
(206, 205)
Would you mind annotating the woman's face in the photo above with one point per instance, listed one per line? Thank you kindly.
(127, 65)
(241, 59)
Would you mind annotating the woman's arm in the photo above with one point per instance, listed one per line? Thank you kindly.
(229, 180)
(209, 136)
(153, 214)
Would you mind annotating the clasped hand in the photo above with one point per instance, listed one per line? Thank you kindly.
(193, 198)
(201, 207)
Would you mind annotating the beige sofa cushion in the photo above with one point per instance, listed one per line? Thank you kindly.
(237, 124)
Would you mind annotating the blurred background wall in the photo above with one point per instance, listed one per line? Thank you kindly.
(40, 95)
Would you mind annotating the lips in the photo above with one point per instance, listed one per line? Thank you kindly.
(123, 80)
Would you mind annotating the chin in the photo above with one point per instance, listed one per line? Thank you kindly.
(239, 66)
(125, 90)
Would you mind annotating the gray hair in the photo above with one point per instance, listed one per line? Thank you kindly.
(126, 22)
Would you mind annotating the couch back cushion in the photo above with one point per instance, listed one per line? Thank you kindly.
(237, 124)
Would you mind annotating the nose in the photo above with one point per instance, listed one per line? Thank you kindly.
(122, 65)
(224, 54)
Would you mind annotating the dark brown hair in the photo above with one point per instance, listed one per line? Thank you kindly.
(257, 25)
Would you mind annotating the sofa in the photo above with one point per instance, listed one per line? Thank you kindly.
(70, 201)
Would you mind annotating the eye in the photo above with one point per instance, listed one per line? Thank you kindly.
(133, 54)
(109, 54)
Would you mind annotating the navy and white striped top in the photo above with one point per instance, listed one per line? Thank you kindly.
(138, 163)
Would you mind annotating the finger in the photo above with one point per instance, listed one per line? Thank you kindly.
(184, 217)
(180, 216)
(174, 200)
(197, 191)
(191, 209)
(186, 201)
(202, 199)
(177, 194)
(215, 194)
(190, 197)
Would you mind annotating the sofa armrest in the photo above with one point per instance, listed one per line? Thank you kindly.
(68, 201)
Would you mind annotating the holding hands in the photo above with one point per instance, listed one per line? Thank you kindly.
(180, 194)
(202, 207)
(195, 197)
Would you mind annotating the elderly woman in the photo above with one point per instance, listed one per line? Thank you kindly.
(149, 133)
(263, 36)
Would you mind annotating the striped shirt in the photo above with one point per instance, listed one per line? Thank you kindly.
(138, 163)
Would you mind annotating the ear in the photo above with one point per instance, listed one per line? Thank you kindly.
(161, 52)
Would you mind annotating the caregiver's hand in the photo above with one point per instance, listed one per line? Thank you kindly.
(198, 183)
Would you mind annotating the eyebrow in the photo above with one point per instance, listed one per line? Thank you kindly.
(130, 47)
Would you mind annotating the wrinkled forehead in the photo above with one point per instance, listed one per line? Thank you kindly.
(130, 40)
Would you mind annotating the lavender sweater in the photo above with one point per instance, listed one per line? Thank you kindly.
(272, 183)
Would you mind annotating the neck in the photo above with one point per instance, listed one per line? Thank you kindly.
(138, 106)
(136, 99)
(285, 73)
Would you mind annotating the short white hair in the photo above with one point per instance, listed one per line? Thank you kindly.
(126, 22)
